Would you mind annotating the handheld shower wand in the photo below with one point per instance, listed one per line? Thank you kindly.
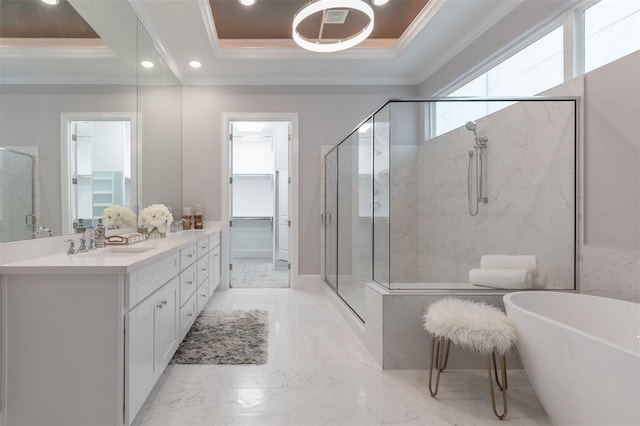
(480, 144)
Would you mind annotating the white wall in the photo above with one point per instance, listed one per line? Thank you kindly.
(610, 255)
(326, 115)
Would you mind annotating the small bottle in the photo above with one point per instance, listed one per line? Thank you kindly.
(100, 234)
(186, 217)
(80, 228)
(197, 217)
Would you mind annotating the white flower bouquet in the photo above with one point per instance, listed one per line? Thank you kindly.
(156, 216)
(117, 216)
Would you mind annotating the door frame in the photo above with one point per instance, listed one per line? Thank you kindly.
(65, 156)
(225, 254)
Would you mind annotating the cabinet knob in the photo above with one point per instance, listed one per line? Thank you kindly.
(164, 302)
(190, 315)
(160, 306)
(190, 255)
(189, 282)
(203, 295)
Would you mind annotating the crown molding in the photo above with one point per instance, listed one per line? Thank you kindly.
(56, 48)
(418, 24)
(297, 81)
(146, 21)
(209, 25)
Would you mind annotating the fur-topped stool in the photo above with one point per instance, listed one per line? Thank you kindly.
(476, 326)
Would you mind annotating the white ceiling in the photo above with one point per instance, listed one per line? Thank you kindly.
(184, 30)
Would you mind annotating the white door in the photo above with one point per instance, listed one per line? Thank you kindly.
(283, 194)
(283, 216)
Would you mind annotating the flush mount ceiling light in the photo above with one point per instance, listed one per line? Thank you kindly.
(247, 2)
(147, 64)
(51, 1)
(318, 45)
(380, 2)
(195, 64)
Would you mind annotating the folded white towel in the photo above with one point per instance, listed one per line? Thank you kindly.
(528, 262)
(512, 279)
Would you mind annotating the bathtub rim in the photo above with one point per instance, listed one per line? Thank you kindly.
(509, 303)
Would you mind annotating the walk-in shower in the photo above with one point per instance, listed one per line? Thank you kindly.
(400, 195)
(479, 145)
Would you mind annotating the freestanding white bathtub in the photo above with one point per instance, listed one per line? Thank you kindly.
(582, 355)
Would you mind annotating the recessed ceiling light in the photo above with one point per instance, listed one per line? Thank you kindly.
(248, 2)
(380, 2)
(147, 64)
(195, 64)
(51, 1)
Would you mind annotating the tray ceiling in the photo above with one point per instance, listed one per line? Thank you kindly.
(35, 19)
(271, 19)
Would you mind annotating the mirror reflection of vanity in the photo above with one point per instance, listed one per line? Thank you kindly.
(89, 71)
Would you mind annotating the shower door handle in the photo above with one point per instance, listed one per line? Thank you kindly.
(30, 219)
(325, 218)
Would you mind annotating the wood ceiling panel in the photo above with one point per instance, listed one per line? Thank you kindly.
(272, 19)
(34, 19)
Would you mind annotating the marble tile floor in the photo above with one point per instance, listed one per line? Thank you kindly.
(258, 273)
(319, 373)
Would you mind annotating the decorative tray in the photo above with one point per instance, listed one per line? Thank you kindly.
(124, 239)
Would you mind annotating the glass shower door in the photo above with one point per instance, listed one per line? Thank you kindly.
(330, 219)
(17, 213)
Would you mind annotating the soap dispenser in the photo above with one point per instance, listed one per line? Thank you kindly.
(100, 234)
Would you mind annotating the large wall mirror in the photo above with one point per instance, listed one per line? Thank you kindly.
(90, 115)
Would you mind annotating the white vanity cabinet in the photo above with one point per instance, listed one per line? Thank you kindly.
(88, 336)
(214, 262)
(151, 331)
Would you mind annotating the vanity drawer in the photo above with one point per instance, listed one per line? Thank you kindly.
(203, 247)
(203, 269)
(188, 283)
(188, 315)
(202, 296)
(187, 255)
(146, 280)
(214, 239)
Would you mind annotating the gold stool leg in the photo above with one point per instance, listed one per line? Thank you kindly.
(437, 360)
(503, 386)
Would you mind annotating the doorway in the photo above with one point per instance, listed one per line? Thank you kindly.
(100, 166)
(259, 203)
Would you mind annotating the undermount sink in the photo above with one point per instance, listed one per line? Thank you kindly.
(117, 251)
(129, 249)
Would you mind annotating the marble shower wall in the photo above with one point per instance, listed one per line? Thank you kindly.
(404, 130)
(529, 169)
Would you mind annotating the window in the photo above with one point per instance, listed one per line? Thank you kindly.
(611, 31)
(532, 70)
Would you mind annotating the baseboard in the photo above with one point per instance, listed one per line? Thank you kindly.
(308, 282)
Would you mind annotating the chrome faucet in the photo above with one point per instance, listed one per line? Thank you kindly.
(87, 237)
(92, 237)
(72, 246)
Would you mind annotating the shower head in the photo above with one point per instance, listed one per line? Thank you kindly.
(480, 142)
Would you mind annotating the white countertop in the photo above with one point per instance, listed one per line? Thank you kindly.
(114, 259)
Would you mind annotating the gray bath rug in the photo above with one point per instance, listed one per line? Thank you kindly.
(225, 337)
